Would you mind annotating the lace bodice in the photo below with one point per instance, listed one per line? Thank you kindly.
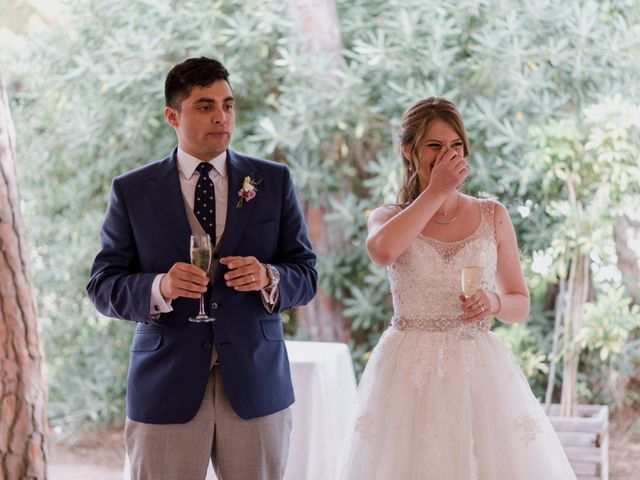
(425, 279)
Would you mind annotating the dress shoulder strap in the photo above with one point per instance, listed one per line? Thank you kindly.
(488, 211)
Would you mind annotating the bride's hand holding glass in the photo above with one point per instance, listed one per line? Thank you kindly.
(476, 303)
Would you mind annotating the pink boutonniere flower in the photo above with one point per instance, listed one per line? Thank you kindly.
(248, 191)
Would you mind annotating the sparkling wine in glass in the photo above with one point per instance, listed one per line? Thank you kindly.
(471, 278)
(200, 252)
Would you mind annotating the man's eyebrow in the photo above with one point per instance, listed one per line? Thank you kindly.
(211, 100)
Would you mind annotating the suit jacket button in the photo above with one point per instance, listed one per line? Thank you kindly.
(214, 305)
(216, 256)
(206, 345)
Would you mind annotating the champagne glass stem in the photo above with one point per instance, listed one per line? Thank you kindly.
(202, 312)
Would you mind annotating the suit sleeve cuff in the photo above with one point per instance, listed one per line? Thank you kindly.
(270, 297)
(157, 303)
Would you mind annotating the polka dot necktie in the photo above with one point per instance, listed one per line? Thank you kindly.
(204, 204)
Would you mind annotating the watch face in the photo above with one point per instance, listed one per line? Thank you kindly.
(274, 274)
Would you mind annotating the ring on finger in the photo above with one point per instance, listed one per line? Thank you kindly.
(482, 308)
(252, 278)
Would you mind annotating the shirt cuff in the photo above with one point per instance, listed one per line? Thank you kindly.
(157, 303)
(270, 297)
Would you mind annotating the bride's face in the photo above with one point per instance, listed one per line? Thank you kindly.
(439, 139)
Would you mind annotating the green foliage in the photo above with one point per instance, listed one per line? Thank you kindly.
(608, 323)
(613, 352)
(541, 88)
(549, 92)
(87, 101)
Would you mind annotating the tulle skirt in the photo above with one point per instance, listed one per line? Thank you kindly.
(447, 406)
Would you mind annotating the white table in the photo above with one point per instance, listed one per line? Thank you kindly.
(325, 390)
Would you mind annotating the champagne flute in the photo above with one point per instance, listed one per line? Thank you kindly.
(471, 278)
(200, 252)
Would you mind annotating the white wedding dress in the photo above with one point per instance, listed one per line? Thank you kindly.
(442, 400)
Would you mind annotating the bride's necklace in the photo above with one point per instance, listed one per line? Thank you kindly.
(446, 214)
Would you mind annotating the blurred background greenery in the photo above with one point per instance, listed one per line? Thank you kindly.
(550, 93)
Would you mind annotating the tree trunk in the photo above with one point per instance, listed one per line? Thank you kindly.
(560, 299)
(317, 22)
(321, 319)
(577, 293)
(23, 402)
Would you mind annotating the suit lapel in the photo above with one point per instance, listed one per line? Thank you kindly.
(238, 167)
(166, 198)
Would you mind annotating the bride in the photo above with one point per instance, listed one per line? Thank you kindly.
(442, 397)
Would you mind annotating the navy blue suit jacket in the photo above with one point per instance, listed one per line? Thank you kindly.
(145, 232)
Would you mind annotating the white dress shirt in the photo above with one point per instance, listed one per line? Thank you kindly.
(187, 165)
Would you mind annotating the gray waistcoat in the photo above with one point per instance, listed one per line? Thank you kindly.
(197, 229)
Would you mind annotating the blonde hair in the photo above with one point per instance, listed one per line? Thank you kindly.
(415, 122)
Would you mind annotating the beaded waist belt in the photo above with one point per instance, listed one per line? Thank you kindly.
(440, 324)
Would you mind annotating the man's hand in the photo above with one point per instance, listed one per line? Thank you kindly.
(245, 274)
(183, 280)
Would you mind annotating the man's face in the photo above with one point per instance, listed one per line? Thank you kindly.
(204, 122)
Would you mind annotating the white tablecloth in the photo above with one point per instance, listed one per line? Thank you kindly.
(325, 389)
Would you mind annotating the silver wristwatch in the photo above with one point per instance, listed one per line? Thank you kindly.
(273, 274)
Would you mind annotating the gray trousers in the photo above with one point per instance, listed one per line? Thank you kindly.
(239, 449)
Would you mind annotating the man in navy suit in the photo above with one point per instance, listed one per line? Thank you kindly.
(218, 390)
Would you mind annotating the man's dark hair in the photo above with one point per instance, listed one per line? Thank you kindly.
(193, 72)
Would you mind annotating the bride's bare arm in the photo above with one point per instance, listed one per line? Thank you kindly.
(391, 231)
(510, 303)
